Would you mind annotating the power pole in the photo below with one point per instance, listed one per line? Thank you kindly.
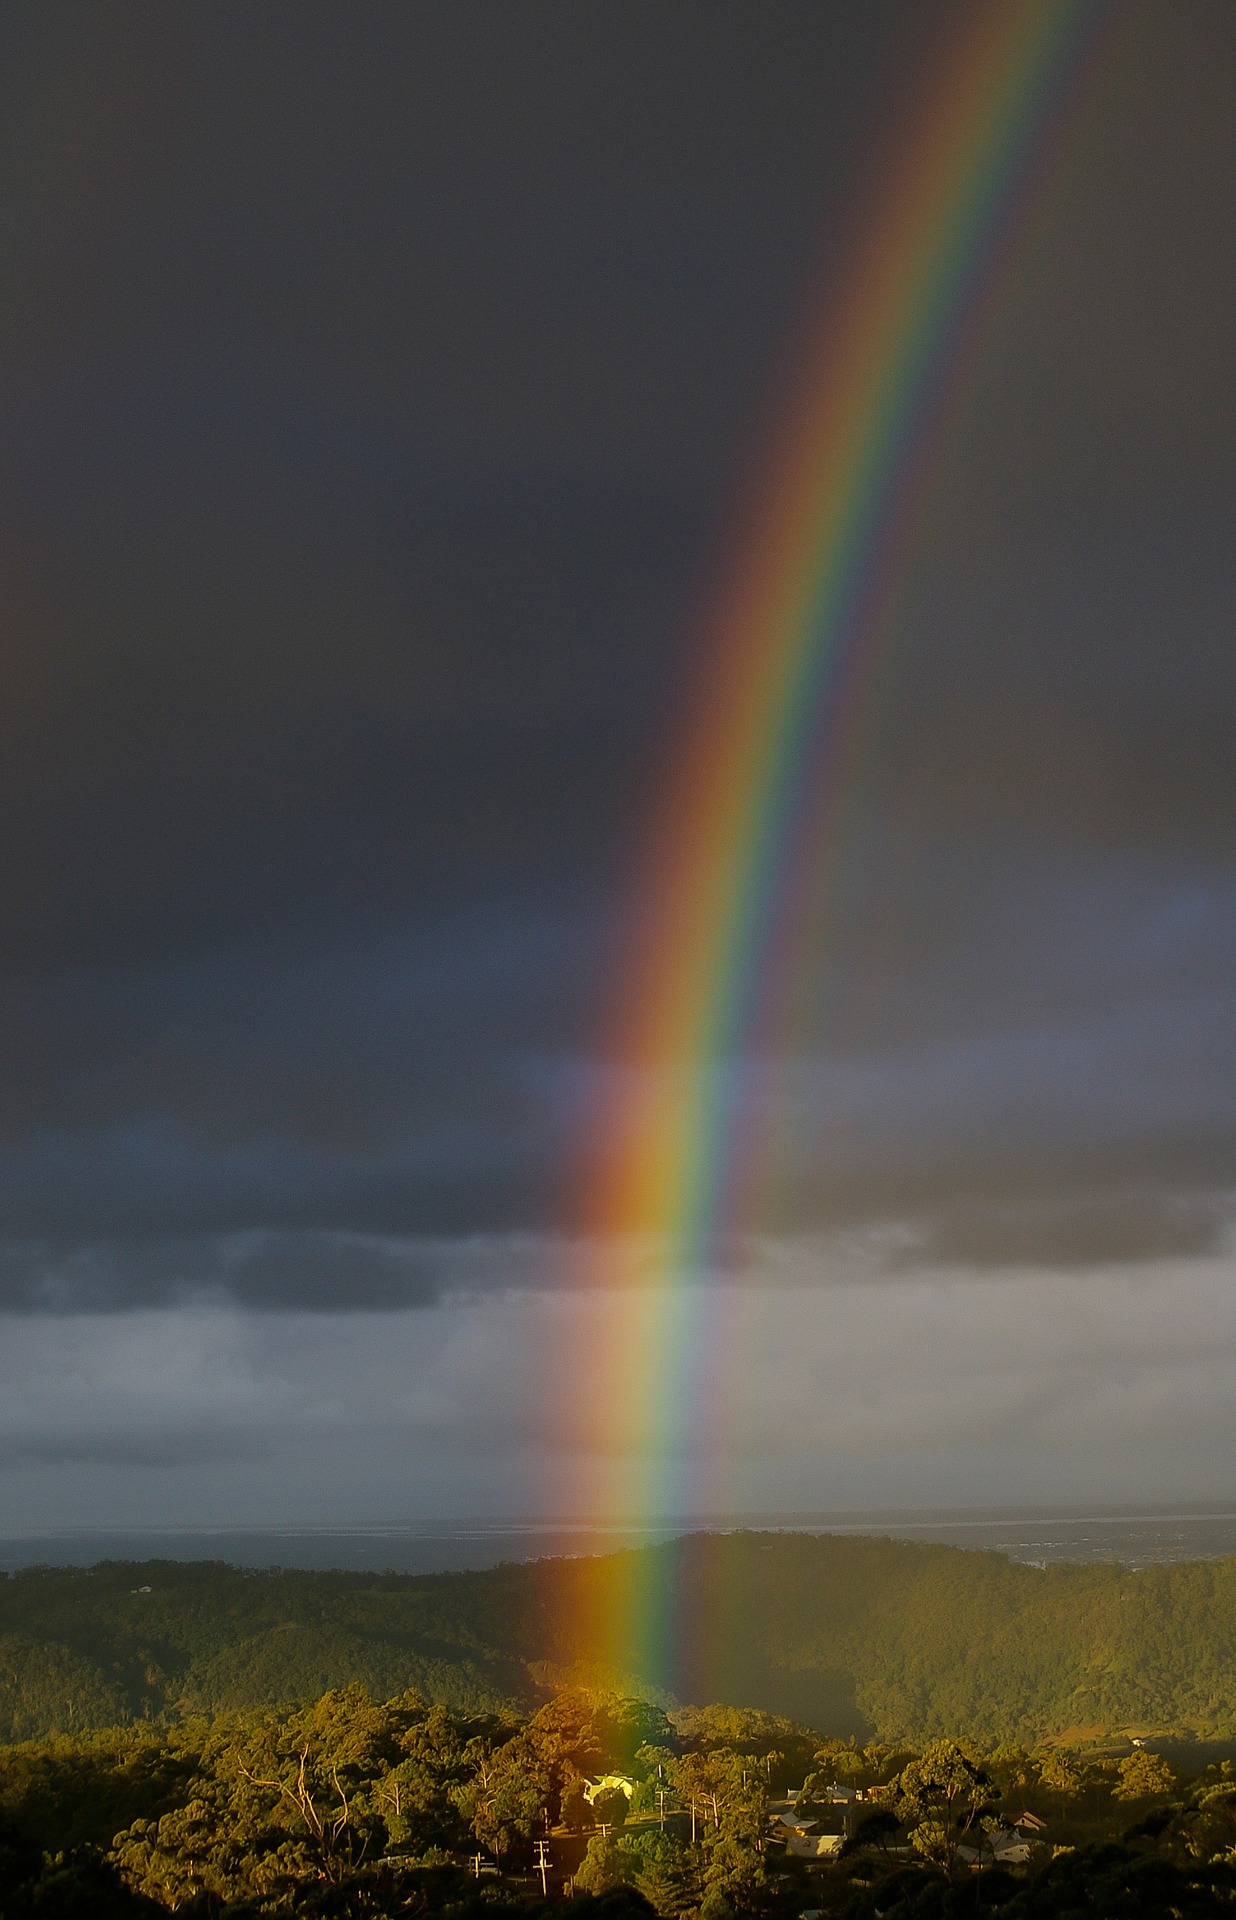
(542, 1860)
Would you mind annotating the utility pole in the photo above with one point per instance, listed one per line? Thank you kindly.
(542, 1861)
(661, 1799)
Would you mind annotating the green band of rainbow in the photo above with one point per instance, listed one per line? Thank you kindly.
(797, 619)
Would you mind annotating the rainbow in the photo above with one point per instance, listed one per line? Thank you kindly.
(789, 652)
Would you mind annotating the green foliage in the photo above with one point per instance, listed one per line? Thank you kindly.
(1206, 1830)
(47, 1687)
(78, 1884)
(576, 1809)
(1115, 1880)
(874, 1832)
(1062, 1776)
(75, 1792)
(847, 1635)
(610, 1807)
(89, 1649)
(270, 1806)
(315, 1797)
(656, 1864)
(1144, 1776)
(507, 1798)
(347, 1808)
(942, 1797)
(618, 1902)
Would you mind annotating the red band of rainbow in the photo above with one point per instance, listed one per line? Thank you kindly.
(796, 626)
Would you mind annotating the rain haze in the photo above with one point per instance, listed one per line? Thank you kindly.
(381, 387)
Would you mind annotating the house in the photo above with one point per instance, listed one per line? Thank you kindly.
(792, 1821)
(813, 1846)
(608, 1783)
(803, 1837)
(1003, 1846)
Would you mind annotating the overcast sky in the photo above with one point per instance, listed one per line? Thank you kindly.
(378, 385)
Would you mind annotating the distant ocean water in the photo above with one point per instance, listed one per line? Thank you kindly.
(1138, 1537)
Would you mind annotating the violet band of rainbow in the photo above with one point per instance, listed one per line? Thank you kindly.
(798, 621)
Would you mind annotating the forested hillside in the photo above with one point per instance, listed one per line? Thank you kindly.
(853, 1636)
(596, 1807)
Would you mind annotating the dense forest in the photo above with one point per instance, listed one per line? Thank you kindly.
(854, 1637)
(596, 1807)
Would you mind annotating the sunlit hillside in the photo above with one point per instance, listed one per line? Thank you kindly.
(852, 1636)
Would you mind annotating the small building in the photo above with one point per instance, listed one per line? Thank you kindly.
(1003, 1846)
(813, 1846)
(608, 1783)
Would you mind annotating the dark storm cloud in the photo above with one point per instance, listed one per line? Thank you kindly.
(110, 1447)
(1049, 1081)
(376, 386)
(315, 1270)
(1082, 1229)
(1022, 1060)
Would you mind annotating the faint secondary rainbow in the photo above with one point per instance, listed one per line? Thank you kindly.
(773, 726)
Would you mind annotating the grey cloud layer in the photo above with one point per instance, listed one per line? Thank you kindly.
(323, 1270)
(1036, 1065)
(1045, 1388)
